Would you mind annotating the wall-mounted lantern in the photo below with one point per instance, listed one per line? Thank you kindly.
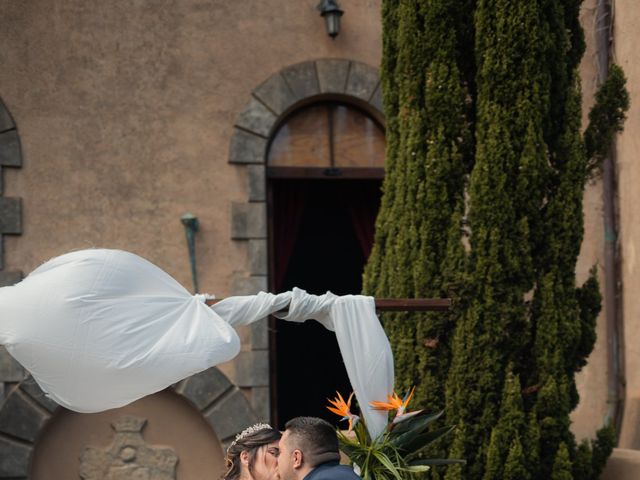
(330, 11)
(191, 225)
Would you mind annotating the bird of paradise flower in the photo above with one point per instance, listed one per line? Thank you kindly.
(398, 404)
(398, 453)
(343, 409)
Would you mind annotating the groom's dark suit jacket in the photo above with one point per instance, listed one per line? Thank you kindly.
(332, 471)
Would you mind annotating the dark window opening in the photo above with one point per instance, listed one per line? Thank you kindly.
(332, 222)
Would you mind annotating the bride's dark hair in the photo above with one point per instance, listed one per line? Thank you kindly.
(249, 442)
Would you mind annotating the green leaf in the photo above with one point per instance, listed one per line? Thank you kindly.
(408, 437)
(388, 464)
(419, 423)
(416, 468)
(423, 440)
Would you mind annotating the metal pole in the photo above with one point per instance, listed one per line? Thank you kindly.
(615, 378)
(191, 226)
(397, 304)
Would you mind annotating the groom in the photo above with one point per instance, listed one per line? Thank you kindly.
(309, 451)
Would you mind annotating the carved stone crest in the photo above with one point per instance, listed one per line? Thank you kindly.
(128, 457)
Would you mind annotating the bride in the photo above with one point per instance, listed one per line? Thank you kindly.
(253, 455)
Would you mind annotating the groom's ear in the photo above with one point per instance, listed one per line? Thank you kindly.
(298, 459)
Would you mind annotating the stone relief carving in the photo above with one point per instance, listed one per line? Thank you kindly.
(129, 456)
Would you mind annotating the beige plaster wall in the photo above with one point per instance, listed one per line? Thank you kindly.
(125, 111)
(626, 37)
(590, 414)
(592, 382)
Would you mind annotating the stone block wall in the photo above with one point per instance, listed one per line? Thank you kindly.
(10, 224)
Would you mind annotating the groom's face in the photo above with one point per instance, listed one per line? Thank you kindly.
(287, 458)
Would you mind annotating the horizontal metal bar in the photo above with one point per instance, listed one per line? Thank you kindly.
(412, 304)
(399, 304)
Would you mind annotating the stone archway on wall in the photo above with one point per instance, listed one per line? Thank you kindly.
(10, 208)
(297, 85)
(27, 410)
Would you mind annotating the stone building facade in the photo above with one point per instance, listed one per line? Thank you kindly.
(118, 117)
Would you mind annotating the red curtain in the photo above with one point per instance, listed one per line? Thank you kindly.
(289, 199)
(363, 209)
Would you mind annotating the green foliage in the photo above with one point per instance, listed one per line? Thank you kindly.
(486, 170)
(606, 440)
(582, 468)
(607, 116)
(514, 468)
(417, 250)
(589, 301)
(456, 472)
(553, 409)
(399, 453)
(505, 447)
(562, 465)
(591, 456)
(532, 442)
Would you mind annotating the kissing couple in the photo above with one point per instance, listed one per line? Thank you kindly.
(306, 450)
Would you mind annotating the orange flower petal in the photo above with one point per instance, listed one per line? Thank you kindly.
(335, 410)
(382, 406)
(339, 406)
(394, 403)
(406, 402)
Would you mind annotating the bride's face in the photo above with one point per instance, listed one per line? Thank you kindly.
(266, 462)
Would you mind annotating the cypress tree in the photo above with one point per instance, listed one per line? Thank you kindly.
(417, 250)
(532, 442)
(506, 195)
(525, 210)
(602, 447)
(607, 116)
(483, 109)
(562, 465)
(514, 468)
(505, 448)
(591, 457)
(582, 467)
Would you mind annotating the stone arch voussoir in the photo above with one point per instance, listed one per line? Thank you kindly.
(292, 86)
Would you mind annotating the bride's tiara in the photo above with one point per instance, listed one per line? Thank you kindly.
(250, 431)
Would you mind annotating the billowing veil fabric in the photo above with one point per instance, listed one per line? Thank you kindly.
(99, 329)
(367, 355)
(363, 344)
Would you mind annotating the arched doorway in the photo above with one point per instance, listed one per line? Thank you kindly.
(324, 172)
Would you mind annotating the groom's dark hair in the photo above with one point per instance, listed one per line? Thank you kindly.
(315, 438)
